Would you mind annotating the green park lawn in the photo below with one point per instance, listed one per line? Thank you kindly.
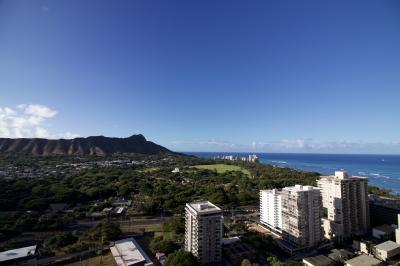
(222, 168)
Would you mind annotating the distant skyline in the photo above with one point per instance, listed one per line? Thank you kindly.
(259, 76)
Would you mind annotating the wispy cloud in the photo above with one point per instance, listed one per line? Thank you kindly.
(28, 120)
(307, 145)
(221, 144)
(44, 9)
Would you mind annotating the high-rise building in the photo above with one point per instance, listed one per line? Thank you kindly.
(204, 231)
(345, 205)
(397, 231)
(301, 217)
(271, 209)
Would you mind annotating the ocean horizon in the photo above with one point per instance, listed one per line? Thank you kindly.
(382, 170)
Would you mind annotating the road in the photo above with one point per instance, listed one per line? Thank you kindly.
(122, 223)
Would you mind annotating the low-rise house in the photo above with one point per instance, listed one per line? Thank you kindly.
(176, 170)
(19, 256)
(127, 252)
(121, 202)
(319, 260)
(340, 255)
(363, 260)
(161, 257)
(363, 246)
(119, 211)
(387, 250)
(383, 232)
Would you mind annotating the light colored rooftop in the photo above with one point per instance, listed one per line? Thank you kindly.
(128, 252)
(300, 188)
(363, 260)
(342, 175)
(387, 246)
(319, 260)
(203, 207)
(17, 253)
(271, 191)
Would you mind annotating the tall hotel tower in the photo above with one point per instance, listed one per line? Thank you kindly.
(345, 205)
(271, 209)
(301, 217)
(204, 231)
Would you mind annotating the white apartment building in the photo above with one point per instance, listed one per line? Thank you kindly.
(345, 205)
(204, 231)
(271, 209)
(397, 231)
(301, 217)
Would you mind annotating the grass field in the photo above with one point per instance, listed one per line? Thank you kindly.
(222, 168)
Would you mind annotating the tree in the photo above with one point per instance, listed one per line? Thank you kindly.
(60, 240)
(104, 230)
(181, 258)
(165, 246)
(174, 224)
(274, 261)
(245, 262)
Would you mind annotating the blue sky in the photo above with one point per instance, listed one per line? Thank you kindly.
(273, 76)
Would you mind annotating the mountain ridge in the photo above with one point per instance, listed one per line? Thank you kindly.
(92, 145)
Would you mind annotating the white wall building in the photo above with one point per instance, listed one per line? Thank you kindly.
(23, 256)
(301, 217)
(127, 252)
(204, 231)
(397, 231)
(345, 205)
(271, 209)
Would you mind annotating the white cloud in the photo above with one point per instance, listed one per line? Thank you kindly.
(29, 121)
(38, 110)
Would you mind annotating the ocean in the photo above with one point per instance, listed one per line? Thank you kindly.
(382, 170)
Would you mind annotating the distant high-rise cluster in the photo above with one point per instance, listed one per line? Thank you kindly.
(304, 215)
(251, 158)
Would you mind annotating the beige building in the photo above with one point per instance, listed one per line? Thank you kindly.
(387, 250)
(363, 260)
(345, 205)
(301, 217)
(319, 260)
(204, 231)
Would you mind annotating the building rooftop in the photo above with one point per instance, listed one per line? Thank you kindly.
(128, 252)
(340, 255)
(300, 188)
(387, 246)
(17, 253)
(319, 260)
(203, 207)
(363, 260)
(273, 191)
(342, 175)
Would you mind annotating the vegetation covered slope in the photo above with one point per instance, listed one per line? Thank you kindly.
(97, 145)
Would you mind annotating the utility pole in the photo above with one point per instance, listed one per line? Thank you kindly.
(101, 250)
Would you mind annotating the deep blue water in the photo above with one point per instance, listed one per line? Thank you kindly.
(382, 170)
